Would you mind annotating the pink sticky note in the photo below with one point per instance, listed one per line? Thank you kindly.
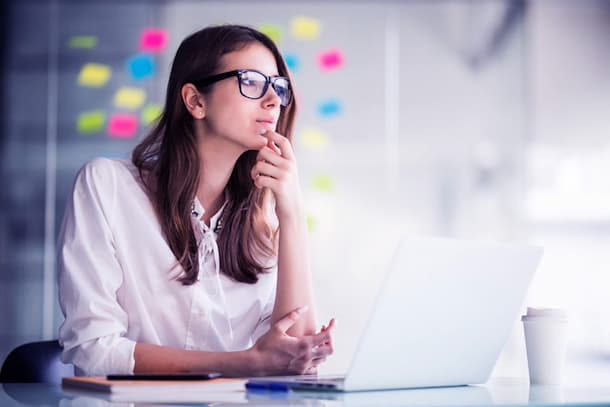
(122, 125)
(153, 40)
(330, 59)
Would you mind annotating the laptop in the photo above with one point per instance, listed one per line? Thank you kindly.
(441, 318)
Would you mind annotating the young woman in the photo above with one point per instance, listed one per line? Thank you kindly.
(193, 255)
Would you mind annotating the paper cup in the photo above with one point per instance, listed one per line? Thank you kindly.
(546, 340)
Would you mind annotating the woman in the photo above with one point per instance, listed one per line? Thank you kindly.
(193, 256)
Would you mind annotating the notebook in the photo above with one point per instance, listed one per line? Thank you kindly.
(441, 317)
(156, 390)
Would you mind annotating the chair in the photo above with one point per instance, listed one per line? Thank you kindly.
(35, 362)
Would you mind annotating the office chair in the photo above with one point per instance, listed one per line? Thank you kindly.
(35, 362)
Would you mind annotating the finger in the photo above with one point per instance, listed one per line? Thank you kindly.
(282, 142)
(290, 319)
(311, 370)
(267, 154)
(264, 168)
(317, 361)
(272, 146)
(264, 181)
(319, 338)
(322, 351)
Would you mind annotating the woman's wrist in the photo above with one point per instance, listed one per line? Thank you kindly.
(242, 363)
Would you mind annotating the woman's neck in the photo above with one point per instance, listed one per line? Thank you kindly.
(216, 165)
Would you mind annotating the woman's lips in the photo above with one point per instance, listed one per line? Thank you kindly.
(267, 124)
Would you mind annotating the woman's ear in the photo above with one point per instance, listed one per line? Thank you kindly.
(193, 100)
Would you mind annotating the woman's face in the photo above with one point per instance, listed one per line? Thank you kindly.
(233, 117)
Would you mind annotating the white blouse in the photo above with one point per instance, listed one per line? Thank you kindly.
(117, 286)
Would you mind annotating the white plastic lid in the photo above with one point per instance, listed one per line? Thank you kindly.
(545, 313)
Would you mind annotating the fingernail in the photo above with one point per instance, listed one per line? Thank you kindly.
(303, 309)
(262, 131)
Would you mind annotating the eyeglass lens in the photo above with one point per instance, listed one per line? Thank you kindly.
(254, 85)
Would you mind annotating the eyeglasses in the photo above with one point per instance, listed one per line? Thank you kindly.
(254, 84)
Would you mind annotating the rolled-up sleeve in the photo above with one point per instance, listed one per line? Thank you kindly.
(89, 276)
(264, 323)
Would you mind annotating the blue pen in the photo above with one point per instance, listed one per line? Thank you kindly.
(267, 386)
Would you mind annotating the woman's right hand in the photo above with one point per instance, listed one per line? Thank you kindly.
(277, 353)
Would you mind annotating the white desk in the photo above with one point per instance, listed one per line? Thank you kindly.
(496, 392)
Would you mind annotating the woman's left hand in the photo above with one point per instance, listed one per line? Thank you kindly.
(276, 169)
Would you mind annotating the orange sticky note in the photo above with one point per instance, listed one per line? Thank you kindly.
(153, 40)
(122, 125)
(330, 60)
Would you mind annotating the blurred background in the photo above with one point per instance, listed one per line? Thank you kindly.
(473, 119)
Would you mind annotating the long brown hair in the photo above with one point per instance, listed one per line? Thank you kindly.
(168, 164)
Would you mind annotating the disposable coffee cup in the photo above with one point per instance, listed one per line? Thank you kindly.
(546, 340)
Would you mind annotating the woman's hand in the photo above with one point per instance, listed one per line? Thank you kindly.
(276, 169)
(277, 353)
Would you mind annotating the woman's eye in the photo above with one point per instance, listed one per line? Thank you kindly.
(251, 82)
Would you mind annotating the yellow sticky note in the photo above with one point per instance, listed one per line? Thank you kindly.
(314, 139)
(90, 122)
(306, 28)
(83, 41)
(272, 31)
(94, 75)
(150, 113)
(129, 97)
(323, 183)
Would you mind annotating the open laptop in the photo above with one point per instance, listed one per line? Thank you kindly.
(441, 318)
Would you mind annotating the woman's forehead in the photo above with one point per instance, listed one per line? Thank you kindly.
(252, 56)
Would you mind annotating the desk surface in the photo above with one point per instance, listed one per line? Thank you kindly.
(496, 392)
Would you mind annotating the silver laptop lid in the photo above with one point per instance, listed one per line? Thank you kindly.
(443, 314)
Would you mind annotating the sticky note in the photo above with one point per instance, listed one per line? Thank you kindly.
(90, 122)
(153, 40)
(141, 66)
(94, 75)
(330, 59)
(150, 113)
(273, 31)
(83, 41)
(305, 28)
(129, 97)
(292, 61)
(329, 108)
(311, 223)
(322, 183)
(314, 139)
(122, 125)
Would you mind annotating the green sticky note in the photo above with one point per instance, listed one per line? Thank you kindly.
(311, 223)
(91, 122)
(83, 41)
(150, 113)
(323, 183)
(272, 31)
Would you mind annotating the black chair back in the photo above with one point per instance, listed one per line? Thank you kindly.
(35, 362)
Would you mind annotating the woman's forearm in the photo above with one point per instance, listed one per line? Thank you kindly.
(294, 287)
(162, 359)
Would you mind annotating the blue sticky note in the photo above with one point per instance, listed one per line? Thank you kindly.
(292, 61)
(330, 107)
(141, 66)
